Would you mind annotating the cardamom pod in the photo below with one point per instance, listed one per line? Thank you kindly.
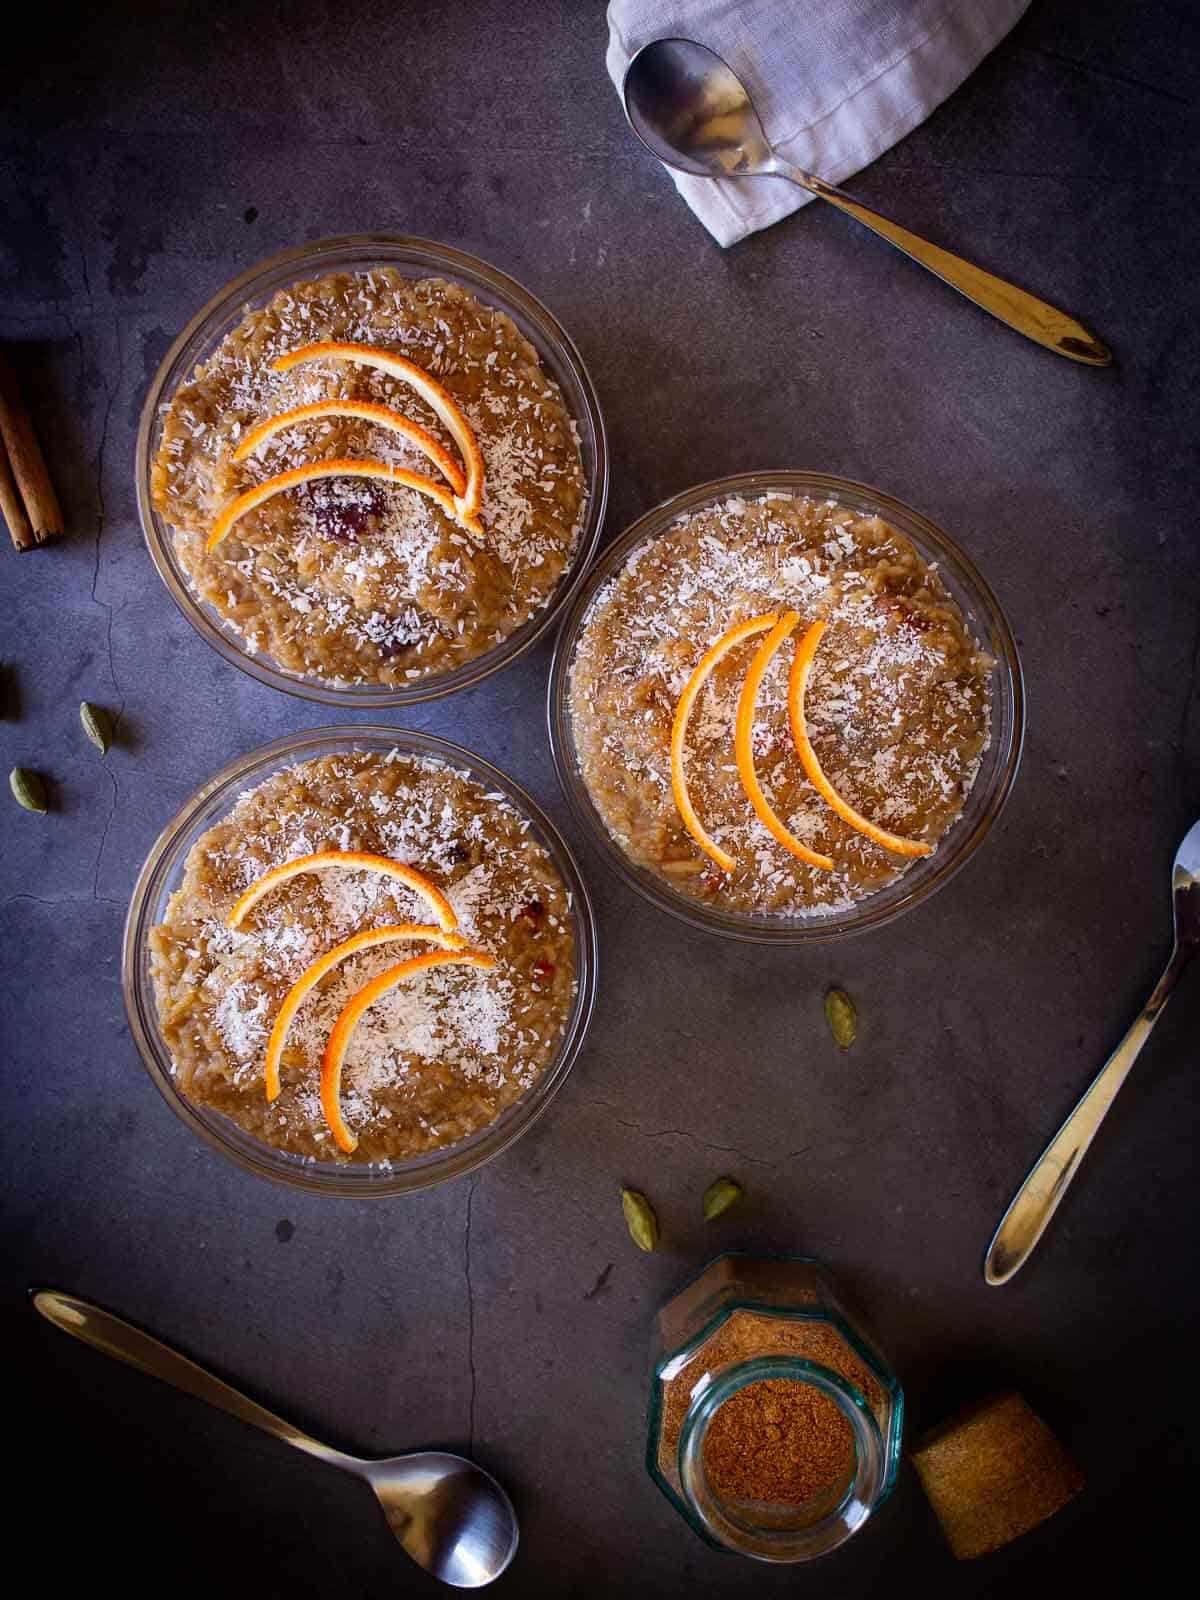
(719, 1196)
(639, 1219)
(841, 1017)
(28, 789)
(97, 724)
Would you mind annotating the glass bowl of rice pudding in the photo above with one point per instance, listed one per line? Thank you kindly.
(448, 1065)
(911, 707)
(363, 590)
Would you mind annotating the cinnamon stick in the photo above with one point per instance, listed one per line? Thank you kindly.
(13, 506)
(28, 467)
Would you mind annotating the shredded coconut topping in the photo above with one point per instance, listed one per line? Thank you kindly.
(357, 580)
(443, 1052)
(897, 703)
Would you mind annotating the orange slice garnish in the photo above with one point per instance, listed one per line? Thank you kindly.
(343, 1028)
(236, 509)
(744, 748)
(797, 683)
(438, 398)
(679, 727)
(354, 860)
(367, 411)
(313, 974)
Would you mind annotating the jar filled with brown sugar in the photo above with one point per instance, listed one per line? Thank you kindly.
(775, 1424)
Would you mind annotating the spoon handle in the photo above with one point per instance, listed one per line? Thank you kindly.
(1037, 320)
(1038, 1198)
(126, 1343)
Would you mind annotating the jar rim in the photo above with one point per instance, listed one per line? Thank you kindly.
(797, 1542)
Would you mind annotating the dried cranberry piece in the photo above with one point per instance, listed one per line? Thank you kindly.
(765, 742)
(393, 648)
(342, 513)
(543, 969)
(534, 913)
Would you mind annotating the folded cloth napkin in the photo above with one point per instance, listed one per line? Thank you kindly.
(836, 82)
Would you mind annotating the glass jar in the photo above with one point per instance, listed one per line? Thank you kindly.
(810, 1443)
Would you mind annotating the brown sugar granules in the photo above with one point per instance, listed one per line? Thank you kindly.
(745, 1335)
(777, 1441)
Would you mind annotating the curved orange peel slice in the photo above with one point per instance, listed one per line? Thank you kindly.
(797, 684)
(683, 712)
(438, 398)
(359, 860)
(237, 508)
(352, 1013)
(312, 975)
(744, 747)
(366, 411)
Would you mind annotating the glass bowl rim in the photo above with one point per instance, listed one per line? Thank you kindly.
(175, 367)
(654, 523)
(166, 857)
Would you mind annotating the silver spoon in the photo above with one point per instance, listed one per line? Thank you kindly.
(451, 1516)
(1039, 1196)
(691, 110)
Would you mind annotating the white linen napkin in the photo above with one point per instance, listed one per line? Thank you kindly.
(836, 82)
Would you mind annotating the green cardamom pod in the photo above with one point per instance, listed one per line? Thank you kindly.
(97, 724)
(841, 1017)
(28, 789)
(639, 1219)
(719, 1196)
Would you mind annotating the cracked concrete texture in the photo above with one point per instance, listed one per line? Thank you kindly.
(141, 166)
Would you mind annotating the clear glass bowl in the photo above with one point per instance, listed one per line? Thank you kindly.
(415, 258)
(1000, 760)
(162, 875)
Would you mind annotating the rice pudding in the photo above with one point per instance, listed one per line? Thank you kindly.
(895, 708)
(438, 1056)
(365, 580)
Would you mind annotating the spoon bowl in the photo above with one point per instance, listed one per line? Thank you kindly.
(691, 110)
(1185, 889)
(446, 1512)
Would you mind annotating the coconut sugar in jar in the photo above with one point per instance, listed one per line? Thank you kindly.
(775, 1425)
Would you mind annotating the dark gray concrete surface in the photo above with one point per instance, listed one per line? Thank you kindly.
(149, 153)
